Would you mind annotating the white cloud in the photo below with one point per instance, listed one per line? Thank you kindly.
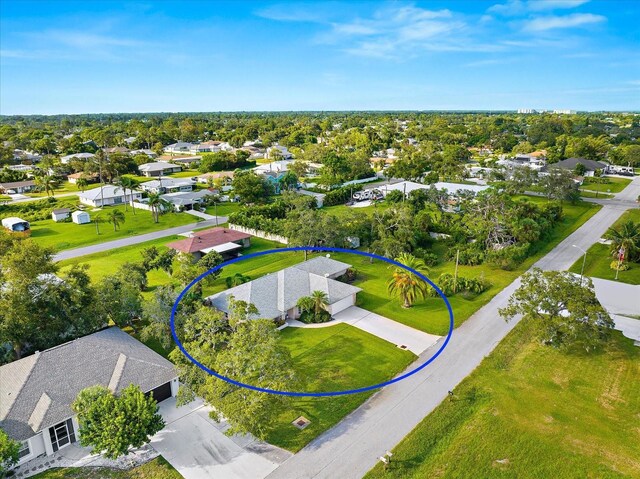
(520, 7)
(539, 5)
(540, 24)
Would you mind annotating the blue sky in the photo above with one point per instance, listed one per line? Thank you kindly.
(87, 57)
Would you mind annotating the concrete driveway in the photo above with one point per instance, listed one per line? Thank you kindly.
(198, 448)
(387, 329)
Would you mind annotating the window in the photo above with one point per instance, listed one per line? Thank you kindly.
(62, 434)
(24, 449)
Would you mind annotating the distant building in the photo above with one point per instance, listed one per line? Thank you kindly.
(17, 187)
(165, 184)
(590, 165)
(564, 112)
(225, 241)
(108, 195)
(77, 156)
(158, 168)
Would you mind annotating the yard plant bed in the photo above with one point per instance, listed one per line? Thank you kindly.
(532, 411)
(157, 468)
(333, 358)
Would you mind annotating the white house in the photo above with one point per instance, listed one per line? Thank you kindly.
(60, 214)
(80, 217)
(158, 168)
(285, 154)
(280, 166)
(149, 153)
(165, 184)
(180, 147)
(78, 156)
(276, 294)
(36, 392)
(108, 195)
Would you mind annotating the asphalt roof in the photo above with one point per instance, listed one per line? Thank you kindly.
(36, 392)
(571, 163)
(276, 293)
(207, 238)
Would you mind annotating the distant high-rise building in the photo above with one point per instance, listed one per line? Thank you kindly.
(526, 111)
(564, 112)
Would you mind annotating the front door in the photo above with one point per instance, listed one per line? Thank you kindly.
(62, 434)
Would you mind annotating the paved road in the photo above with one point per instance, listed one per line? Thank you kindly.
(351, 448)
(131, 240)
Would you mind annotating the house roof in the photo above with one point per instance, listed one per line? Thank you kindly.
(36, 392)
(109, 191)
(82, 156)
(157, 166)
(571, 163)
(207, 239)
(17, 184)
(276, 293)
(186, 197)
(61, 211)
(167, 182)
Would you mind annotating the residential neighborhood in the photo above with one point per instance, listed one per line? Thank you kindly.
(257, 240)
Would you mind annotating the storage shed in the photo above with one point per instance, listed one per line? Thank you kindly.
(80, 217)
(16, 225)
(60, 214)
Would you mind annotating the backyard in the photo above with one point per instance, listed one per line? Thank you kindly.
(532, 411)
(599, 258)
(333, 358)
(157, 468)
(67, 235)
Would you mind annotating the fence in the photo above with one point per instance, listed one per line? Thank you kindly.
(259, 233)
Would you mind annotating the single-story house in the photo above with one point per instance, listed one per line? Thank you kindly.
(180, 147)
(17, 225)
(60, 214)
(204, 178)
(74, 177)
(280, 166)
(37, 391)
(165, 184)
(283, 152)
(276, 295)
(80, 217)
(149, 153)
(451, 188)
(186, 200)
(158, 168)
(225, 241)
(188, 161)
(117, 149)
(21, 167)
(78, 156)
(18, 186)
(318, 196)
(112, 195)
(590, 165)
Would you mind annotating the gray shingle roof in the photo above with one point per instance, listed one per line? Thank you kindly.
(571, 163)
(276, 293)
(36, 392)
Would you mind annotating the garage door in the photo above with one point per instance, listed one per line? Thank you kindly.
(162, 392)
(341, 305)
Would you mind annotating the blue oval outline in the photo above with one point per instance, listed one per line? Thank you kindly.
(310, 394)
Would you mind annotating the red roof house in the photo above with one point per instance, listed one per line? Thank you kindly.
(222, 240)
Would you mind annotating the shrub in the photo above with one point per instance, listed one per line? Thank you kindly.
(470, 254)
(309, 317)
(509, 257)
(349, 276)
(340, 196)
(429, 257)
(623, 265)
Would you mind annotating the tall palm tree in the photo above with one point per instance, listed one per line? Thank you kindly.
(626, 236)
(320, 301)
(97, 219)
(157, 205)
(127, 183)
(406, 284)
(46, 183)
(115, 217)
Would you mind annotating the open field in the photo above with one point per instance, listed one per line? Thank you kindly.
(61, 236)
(223, 209)
(599, 258)
(157, 468)
(331, 359)
(532, 411)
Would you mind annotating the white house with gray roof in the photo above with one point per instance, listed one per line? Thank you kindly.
(36, 392)
(276, 294)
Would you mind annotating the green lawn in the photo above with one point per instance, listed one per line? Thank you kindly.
(63, 188)
(591, 194)
(334, 358)
(599, 258)
(531, 411)
(63, 236)
(157, 468)
(614, 185)
(224, 209)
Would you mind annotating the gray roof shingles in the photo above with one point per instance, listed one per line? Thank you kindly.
(63, 371)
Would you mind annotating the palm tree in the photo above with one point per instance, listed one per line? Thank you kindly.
(127, 183)
(157, 205)
(97, 219)
(115, 217)
(46, 183)
(406, 284)
(320, 301)
(627, 237)
(82, 183)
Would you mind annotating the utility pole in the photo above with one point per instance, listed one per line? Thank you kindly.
(584, 260)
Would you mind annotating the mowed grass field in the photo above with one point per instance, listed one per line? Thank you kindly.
(531, 411)
(157, 468)
(334, 358)
(61, 236)
(613, 185)
(599, 258)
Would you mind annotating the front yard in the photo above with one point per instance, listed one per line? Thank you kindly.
(612, 185)
(333, 358)
(599, 258)
(61, 236)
